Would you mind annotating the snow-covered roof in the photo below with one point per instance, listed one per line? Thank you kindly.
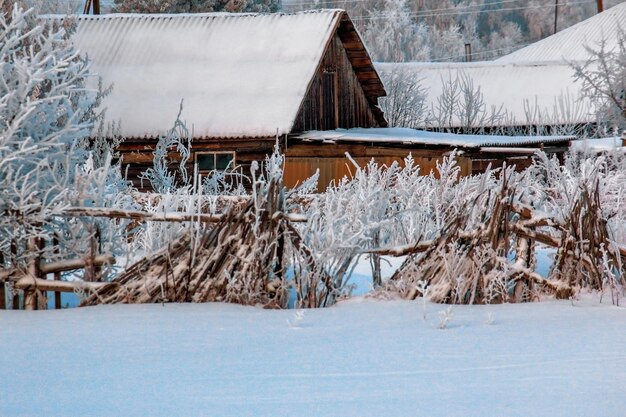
(240, 75)
(569, 44)
(405, 136)
(531, 93)
(600, 145)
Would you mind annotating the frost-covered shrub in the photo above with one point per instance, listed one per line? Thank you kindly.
(178, 190)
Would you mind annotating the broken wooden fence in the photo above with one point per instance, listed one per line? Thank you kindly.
(33, 283)
(527, 229)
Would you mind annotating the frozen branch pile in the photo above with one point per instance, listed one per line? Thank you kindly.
(253, 255)
(586, 256)
(494, 262)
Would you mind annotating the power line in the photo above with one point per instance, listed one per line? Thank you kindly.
(451, 11)
(433, 14)
(519, 46)
(317, 3)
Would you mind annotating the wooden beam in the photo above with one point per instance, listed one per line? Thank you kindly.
(156, 217)
(141, 215)
(507, 150)
(92, 5)
(73, 264)
(401, 250)
(29, 283)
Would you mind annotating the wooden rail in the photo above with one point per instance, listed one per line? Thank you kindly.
(157, 217)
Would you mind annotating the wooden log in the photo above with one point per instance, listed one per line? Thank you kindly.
(72, 264)
(31, 284)
(533, 235)
(154, 198)
(402, 250)
(141, 215)
(157, 217)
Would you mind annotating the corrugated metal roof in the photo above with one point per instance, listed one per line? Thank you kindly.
(240, 75)
(531, 93)
(406, 136)
(569, 44)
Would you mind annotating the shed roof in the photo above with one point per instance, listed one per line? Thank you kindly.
(240, 75)
(405, 136)
(569, 44)
(531, 93)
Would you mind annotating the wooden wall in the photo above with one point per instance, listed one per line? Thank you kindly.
(137, 155)
(302, 161)
(335, 98)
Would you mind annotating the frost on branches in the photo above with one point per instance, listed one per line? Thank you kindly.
(604, 81)
(195, 6)
(46, 162)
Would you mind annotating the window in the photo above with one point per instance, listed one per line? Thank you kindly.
(220, 161)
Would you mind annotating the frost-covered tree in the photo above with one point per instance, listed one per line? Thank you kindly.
(426, 30)
(46, 163)
(603, 78)
(405, 103)
(393, 36)
(195, 6)
(55, 6)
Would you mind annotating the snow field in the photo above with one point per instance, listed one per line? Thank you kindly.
(363, 357)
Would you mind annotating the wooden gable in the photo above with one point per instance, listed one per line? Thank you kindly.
(345, 89)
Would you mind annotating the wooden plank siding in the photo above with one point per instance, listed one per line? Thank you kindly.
(137, 155)
(335, 98)
(303, 160)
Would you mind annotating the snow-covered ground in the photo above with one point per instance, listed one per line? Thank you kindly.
(360, 358)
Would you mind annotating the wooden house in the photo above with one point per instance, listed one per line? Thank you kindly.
(247, 82)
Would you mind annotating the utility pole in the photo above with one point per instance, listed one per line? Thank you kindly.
(556, 13)
(600, 6)
(89, 4)
(468, 52)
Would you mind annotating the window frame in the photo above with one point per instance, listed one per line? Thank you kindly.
(214, 153)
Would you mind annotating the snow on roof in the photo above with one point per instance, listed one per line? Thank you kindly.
(531, 93)
(240, 75)
(569, 44)
(405, 136)
(600, 145)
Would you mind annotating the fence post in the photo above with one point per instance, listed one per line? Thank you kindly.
(16, 295)
(3, 294)
(97, 249)
(30, 294)
(89, 269)
(57, 276)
